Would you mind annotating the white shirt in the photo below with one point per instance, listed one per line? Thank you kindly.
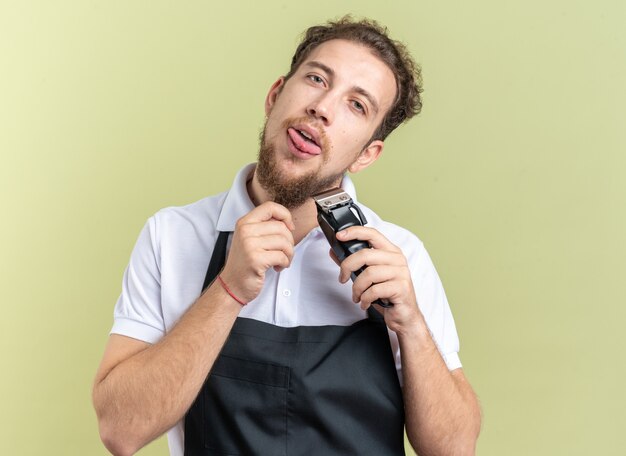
(169, 262)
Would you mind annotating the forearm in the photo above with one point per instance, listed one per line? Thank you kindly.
(442, 413)
(143, 396)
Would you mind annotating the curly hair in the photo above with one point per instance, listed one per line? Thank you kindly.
(393, 53)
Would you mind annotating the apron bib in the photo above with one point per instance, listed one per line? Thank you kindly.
(306, 390)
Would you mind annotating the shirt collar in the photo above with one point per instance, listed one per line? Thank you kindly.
(238, 203)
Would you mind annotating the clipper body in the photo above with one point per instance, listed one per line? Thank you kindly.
(335, 212)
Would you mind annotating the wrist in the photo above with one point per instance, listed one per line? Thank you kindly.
(230, 293)
(414, 328)
(215, 298)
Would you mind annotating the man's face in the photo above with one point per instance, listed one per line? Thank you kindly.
(320, 121)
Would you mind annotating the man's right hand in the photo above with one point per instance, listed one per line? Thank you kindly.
(262, 239)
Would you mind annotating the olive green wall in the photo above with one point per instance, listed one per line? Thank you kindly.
(513, 176)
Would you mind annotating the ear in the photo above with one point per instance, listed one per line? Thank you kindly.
(367, 156)
(272, 95)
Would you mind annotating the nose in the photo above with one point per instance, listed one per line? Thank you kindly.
(322, 109)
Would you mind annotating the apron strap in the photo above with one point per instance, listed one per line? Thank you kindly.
(217, 259)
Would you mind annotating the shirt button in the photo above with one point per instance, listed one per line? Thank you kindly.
(286, 293)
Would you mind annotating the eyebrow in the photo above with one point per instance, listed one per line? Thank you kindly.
(357, 89)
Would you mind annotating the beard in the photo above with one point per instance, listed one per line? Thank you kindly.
(291, 192)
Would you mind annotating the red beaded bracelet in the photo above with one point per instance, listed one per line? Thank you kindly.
(225, 287)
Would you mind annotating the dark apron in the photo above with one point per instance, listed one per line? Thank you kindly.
(306, 390)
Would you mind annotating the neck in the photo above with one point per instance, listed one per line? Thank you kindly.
(304, 217)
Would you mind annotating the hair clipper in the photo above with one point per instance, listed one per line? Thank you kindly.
(335, 212)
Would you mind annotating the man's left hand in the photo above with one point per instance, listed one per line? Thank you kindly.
(387, 276)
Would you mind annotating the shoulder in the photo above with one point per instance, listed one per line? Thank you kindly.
(199, 215)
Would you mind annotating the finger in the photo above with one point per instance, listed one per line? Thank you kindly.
(380, 309)
(260, 229)
(364, 233)
(396, 292)
(268, 211)
(373, 275)
(384, 290)
(369, 257)
(267, 227)
(275, 258)
(276, 242)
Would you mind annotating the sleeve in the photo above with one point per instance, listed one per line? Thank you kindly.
(138, 313)
(433, 304)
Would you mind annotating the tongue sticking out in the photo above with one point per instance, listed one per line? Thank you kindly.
(303, 144)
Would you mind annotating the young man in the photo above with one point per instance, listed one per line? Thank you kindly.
(298, 363)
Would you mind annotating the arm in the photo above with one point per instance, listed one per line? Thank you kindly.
(442, 413)
(142, 390)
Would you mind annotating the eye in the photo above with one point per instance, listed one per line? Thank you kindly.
(358, 106)
(315, 78)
